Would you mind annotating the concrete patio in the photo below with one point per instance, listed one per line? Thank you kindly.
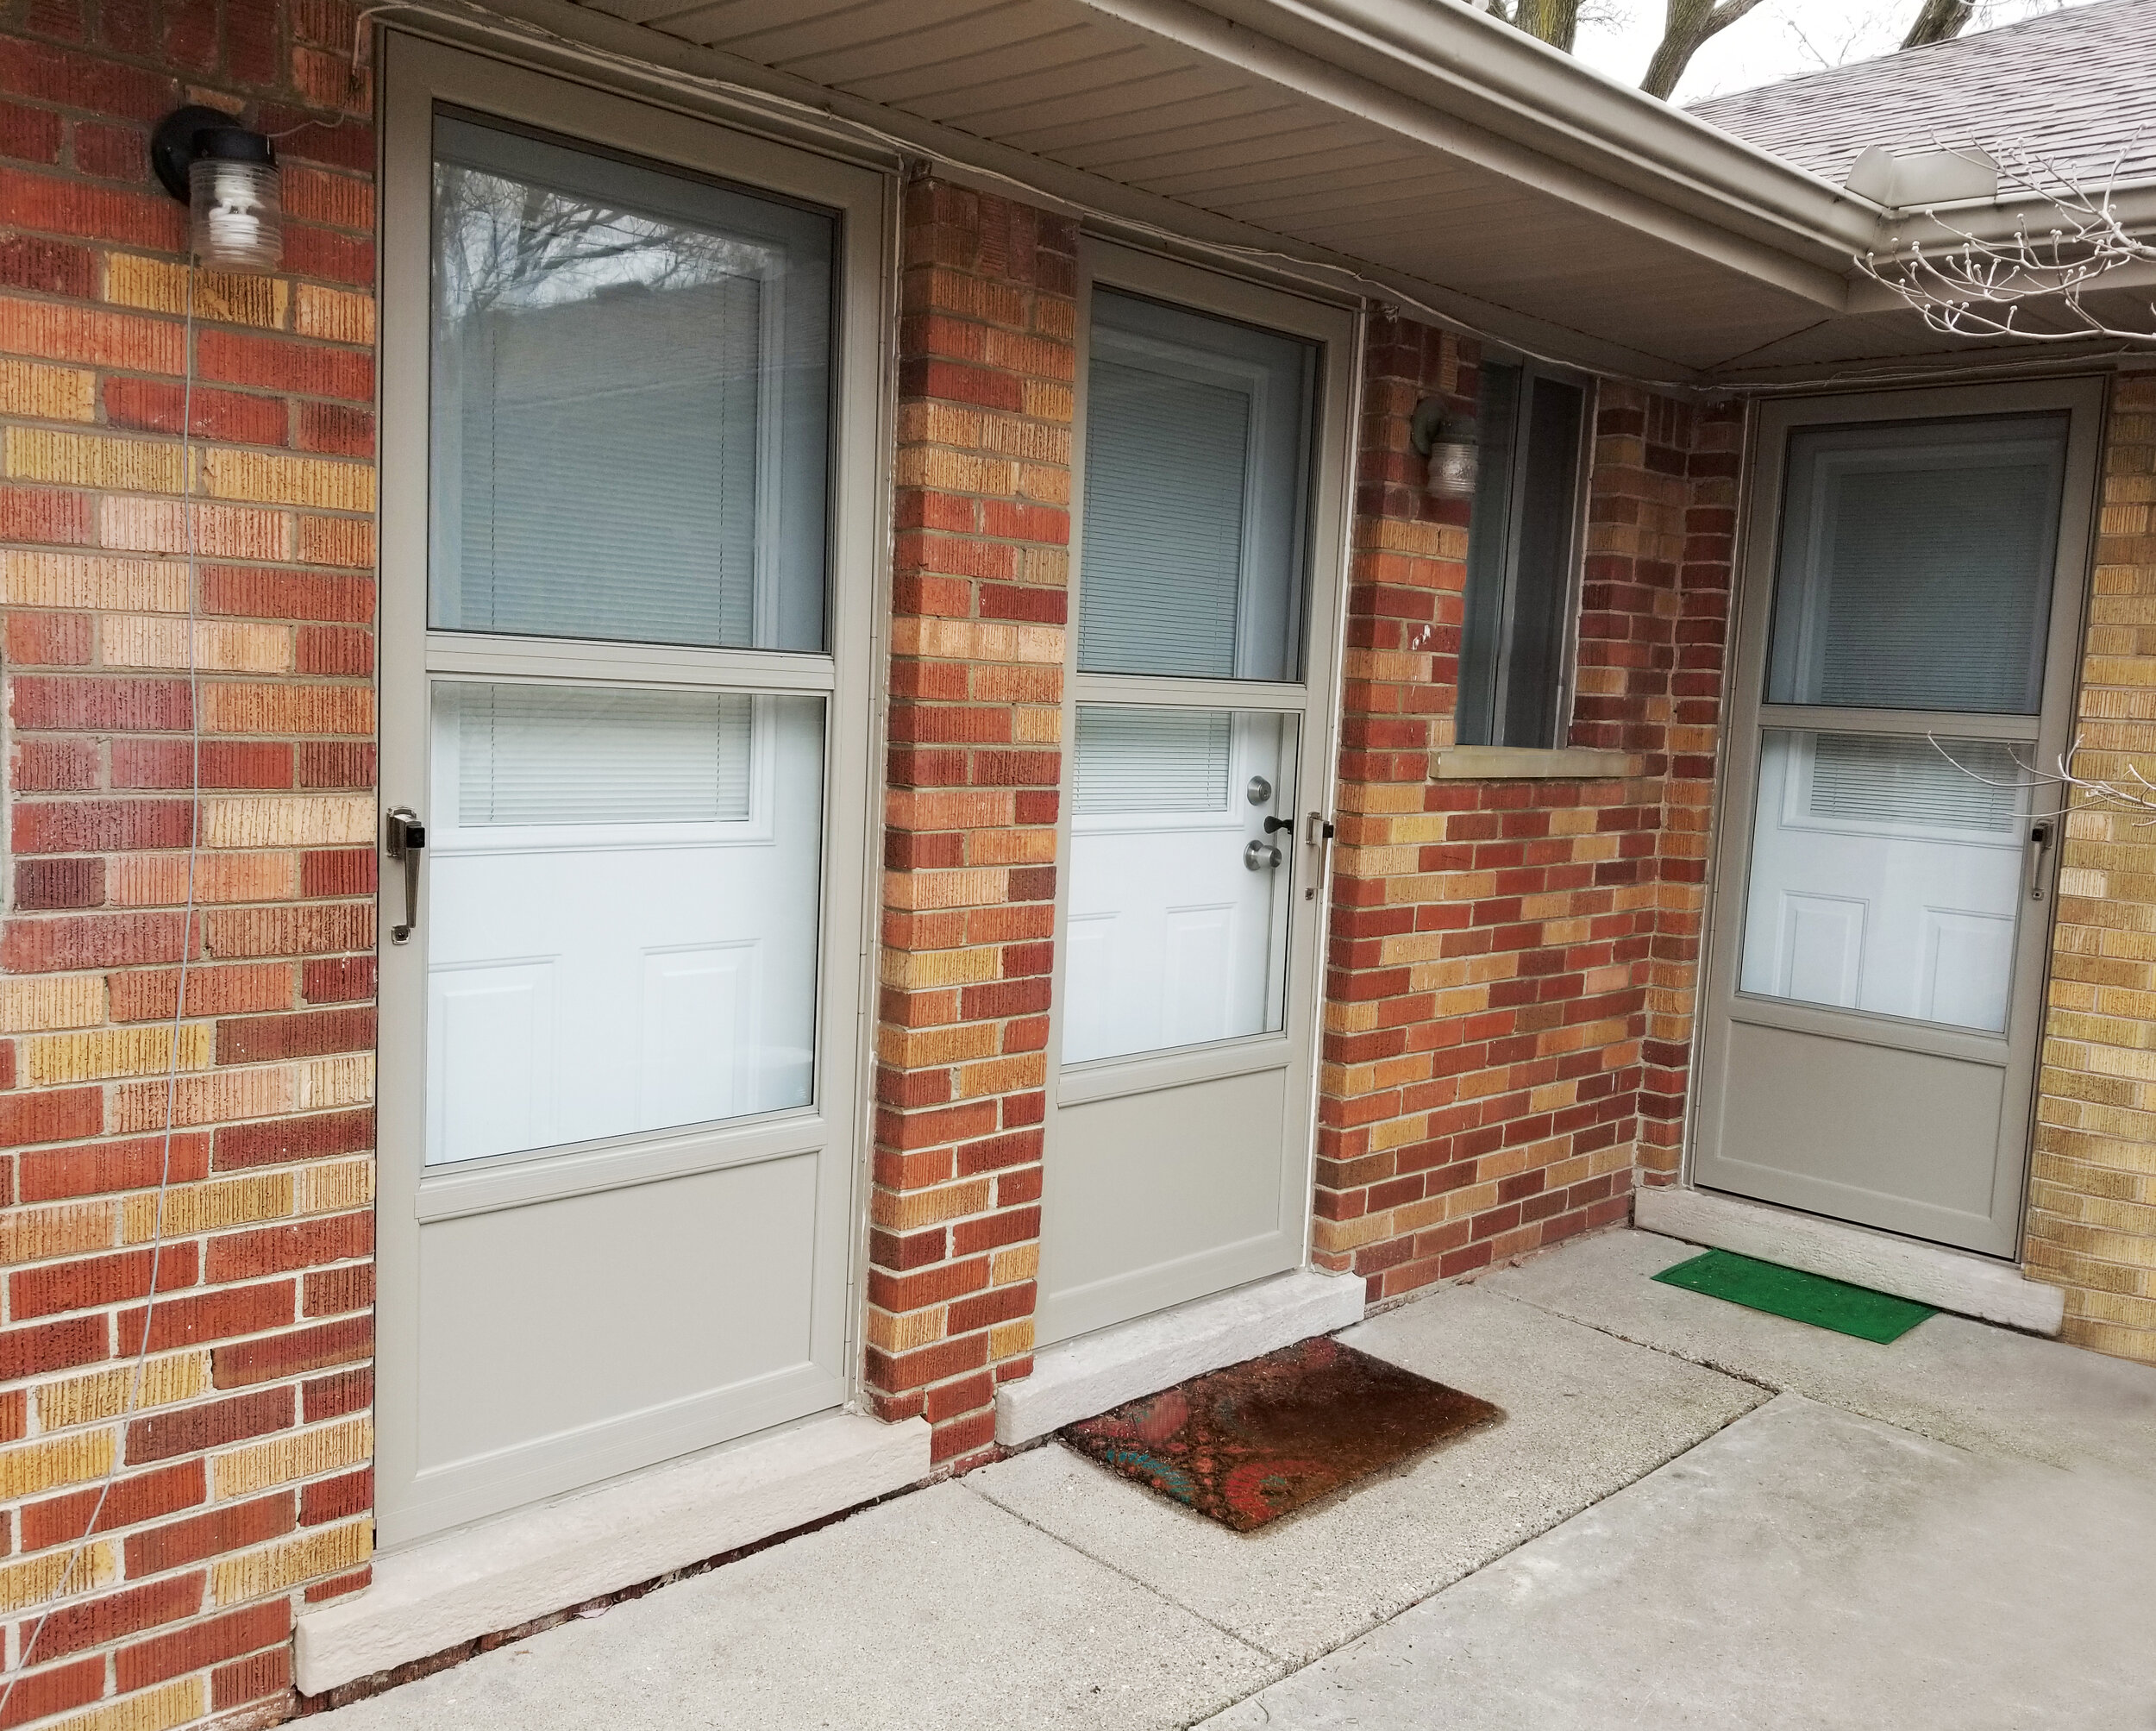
(1693, 1514)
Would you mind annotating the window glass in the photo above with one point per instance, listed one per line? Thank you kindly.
(1521, 557)
(1180, 893)
(1917, 565)
(622, 911)
(1197, 484)
(630, 386)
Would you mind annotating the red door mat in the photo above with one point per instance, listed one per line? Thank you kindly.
(1251, 1443)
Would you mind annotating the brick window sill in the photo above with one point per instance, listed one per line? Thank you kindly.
(1525, 763)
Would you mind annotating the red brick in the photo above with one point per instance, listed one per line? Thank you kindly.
(79, 826)
(99, 704)
(312, 252)
(223, 764)
(289, 1355)
(203, 1644)
(332, 1397)
(332, 1291)
(190, 1430)
(339, 432)
(91, 1281)
(48, 639)
(133, 1499)
(335, 650)
(59, 883)
(341, 981)
(308, 1034)
(279, 363)
(59, 1116)
(14, 1415)
(88, 82)
(112, 152)
(335, 1499)
(147, 995)
(107, 940)
(278, 1249)
(279, 1140)
(234, 932)
(338, 1585)
(54, 765)
(328, 764)
(228, 416)
(72, 1627)
(268, 593)
(222, 1530)
(338, 871)
(53, 1346)
(46, 267)
(33, 1694)
(56, 206)
(102, 1169)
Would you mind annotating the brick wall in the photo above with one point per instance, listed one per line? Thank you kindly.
(980, 585)
(1510, 979)
(2092, 1201)
(242, 1478)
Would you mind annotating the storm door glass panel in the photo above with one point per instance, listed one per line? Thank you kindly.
(1886, 875)
(1197, 480)
(630, 391)
(1177, 929)
(1917, 566)
(623, 911)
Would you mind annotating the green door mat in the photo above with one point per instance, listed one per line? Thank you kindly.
(1791, 1292)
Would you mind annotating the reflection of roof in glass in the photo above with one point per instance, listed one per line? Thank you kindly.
(2071, 85)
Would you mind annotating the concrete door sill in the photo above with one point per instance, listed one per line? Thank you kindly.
(1076, 1379)
(510, 1568)
(1958, 1280)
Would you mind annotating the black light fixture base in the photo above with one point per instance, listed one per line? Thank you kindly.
(172, 145)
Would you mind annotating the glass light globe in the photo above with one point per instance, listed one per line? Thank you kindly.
(234, 219)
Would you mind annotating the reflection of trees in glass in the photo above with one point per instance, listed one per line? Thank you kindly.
(508, 245)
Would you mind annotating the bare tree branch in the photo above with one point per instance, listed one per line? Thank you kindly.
(1938, 21)
(1976, 287)
(1689, 23)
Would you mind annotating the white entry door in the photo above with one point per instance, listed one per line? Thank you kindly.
(624, 662)
(1903, 681)
(1178, 1157)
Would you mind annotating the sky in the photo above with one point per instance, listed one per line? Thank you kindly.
(1779, 39)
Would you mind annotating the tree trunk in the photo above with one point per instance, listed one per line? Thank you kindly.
(1938, 21)
(1690, 22)
(1554, 22)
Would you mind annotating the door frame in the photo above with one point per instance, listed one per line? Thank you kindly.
(1338, 327)
(417, 73)
(2084, 399)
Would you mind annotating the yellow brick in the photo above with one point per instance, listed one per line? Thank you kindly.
(1019, 1262)
(37, 1580)
(34, 1235)
(107, 1395)
(117, 1052)
(234, 1580)
(967, 888)
(153, 1710)
(260, 477)
(1011, 1340)
(76, 579)
(1003, 1075)
(193, 1209)
(912, 971)
(287, 822)
(89, 459)
(284, 1460)
(918, 1208)
(36, 392)
(63, 1460)
(137, 640)
(335, 315)
(890, 1334)
(62, 1001)
(348, 1081)
(222, 1097)
(340, 1185)
(221, 297)
(931, 1048)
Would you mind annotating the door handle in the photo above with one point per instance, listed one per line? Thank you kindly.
(2039, 846)
(404, 838)
(1260, 856)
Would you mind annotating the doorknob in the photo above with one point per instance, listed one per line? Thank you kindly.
(404, 838)
(1260, 856)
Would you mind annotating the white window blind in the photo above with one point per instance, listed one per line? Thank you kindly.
(1871, 778)
(1151, 760)
(1166, 464)
(1915, 582)
(610, 466)
(535, 754)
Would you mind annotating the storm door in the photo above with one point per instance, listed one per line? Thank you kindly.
(1199, 754)
(1911, 612)
(624, 751)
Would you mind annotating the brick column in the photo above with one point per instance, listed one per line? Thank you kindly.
(980, 590)
(242, 1470)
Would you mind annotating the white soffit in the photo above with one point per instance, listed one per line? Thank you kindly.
(1414, 141)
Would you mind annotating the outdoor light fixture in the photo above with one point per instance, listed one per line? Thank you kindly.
(1448, 441)
(226, 177)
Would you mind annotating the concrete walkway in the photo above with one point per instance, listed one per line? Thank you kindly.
(1693, 1515)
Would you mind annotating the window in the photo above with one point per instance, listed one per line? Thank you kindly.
(1515, 670)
